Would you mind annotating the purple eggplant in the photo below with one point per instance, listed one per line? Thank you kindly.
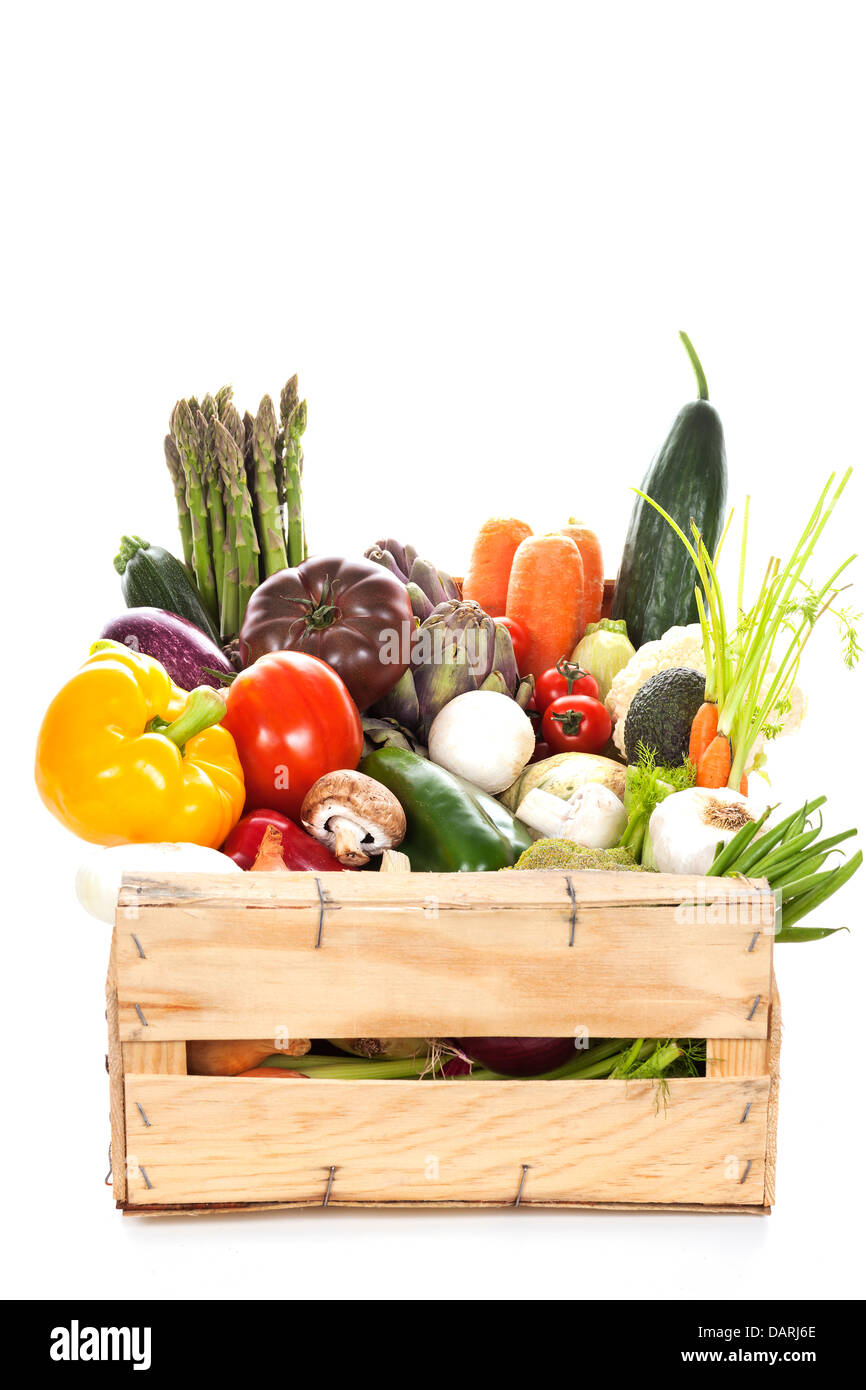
(187, 653)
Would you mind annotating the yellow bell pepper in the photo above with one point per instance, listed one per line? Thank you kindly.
(124, 755)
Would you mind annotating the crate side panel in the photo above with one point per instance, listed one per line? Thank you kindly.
(430, 966)
(216, 1139)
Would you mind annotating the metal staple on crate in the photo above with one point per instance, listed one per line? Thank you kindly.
(751, 1014)
(525, 1167)
(142, 1114)
(147, 1182)
(318, 883)
(138, 946)
(327, 1197)
(573, 897)
(746, 1113)
(745, 1172)
(141, 1015)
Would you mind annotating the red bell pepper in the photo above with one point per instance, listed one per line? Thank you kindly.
(300, 850)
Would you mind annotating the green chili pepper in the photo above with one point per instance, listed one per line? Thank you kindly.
(451, 826)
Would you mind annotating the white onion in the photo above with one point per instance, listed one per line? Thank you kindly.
(484, 737)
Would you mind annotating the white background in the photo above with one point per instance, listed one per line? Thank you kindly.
(474, 230)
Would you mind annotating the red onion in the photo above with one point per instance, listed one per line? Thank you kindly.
(518, 1056)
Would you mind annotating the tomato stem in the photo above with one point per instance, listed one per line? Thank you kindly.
(571, 720)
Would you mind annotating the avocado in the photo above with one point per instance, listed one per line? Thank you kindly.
(661, 713)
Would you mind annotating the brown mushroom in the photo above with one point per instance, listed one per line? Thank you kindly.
(353, 815)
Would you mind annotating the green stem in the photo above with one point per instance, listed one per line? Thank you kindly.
(272, 542)
(585, 1062)
(703, 392)
(204, 708)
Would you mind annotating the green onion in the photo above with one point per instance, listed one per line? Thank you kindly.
(751, 684)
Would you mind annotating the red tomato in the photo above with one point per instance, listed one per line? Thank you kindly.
(576, 724)
(293, 720)
(565, 678)
(519, 641)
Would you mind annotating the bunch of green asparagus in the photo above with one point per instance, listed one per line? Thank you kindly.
(237, 483)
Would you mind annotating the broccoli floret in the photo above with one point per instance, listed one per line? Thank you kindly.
(565, 854)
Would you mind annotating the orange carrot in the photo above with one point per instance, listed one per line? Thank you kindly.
(545, 594)
(273, 1072)
(230, 1058)
(704, 729)
(714, 764)
(486, 580)
(588, 544)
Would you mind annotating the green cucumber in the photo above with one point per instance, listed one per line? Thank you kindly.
(655, 588)
(151, 577)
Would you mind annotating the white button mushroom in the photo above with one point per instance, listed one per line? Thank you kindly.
(355, 816)
(592, 816)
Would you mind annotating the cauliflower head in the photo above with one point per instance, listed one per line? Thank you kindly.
(680, 646)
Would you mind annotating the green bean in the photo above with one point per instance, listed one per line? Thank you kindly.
(800, 886)
(806, 902)
(731, 852)
(806, 933)
(773, 837)
(797, 826)
(808, 865)
(784, 866)
(785, 853)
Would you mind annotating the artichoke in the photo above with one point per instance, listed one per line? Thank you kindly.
(456, 649)
(427, 586)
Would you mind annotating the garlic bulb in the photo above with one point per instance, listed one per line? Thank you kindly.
(686, 827)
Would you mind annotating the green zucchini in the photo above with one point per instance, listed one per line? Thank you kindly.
(655, 588)
(152, 578)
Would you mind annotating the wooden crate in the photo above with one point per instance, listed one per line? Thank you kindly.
(368, 955)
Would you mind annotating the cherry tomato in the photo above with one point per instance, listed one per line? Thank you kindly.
(576, 724)
(565, 678)
(519, 640)
(293, 720)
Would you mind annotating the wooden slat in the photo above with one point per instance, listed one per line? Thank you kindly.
(434, 893)
(775, 1060)
(115, 1085)
(622, 1208)
(155, 1058)
(435, 954)
(216, 1139)
(738, 1057)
